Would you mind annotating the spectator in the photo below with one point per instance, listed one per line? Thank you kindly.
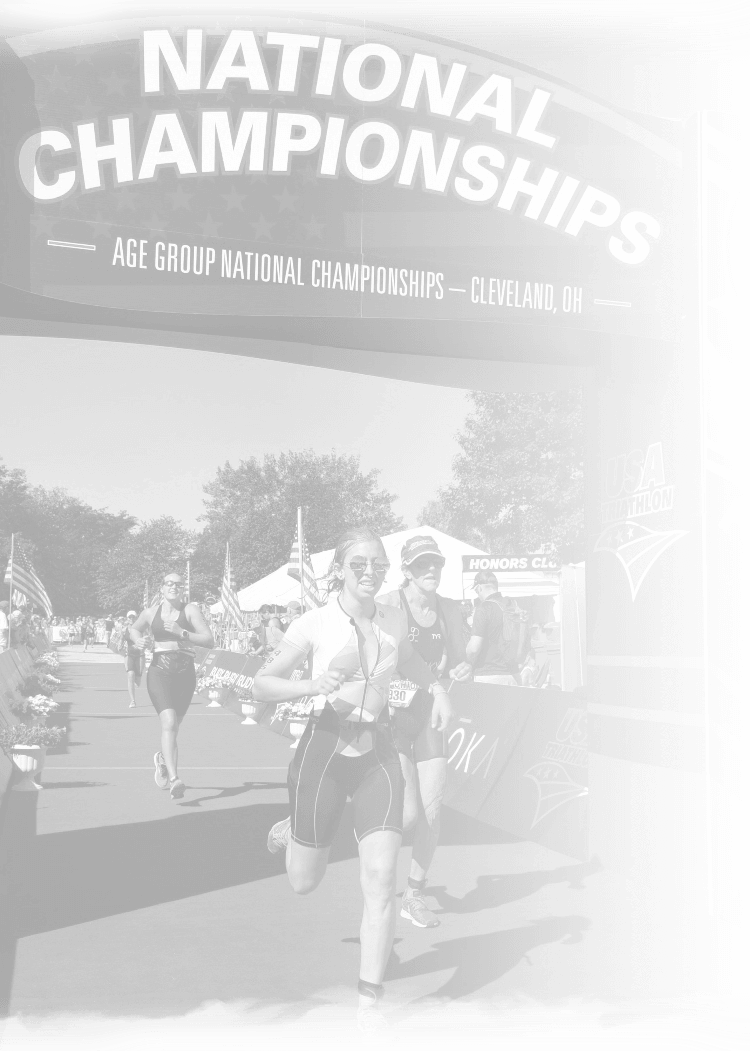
(4, 627)
(271, 632)
(293, 610)
(497, 634)
(134, 659)
(109, 627)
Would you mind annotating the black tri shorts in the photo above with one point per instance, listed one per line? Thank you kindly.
(415, 737)
(321, 780)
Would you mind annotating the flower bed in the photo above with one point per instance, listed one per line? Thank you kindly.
(38, 705)
(28, 736)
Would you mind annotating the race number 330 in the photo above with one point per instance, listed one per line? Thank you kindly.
(401, 693)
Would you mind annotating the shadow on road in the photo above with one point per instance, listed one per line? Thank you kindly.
(493, 890)
(480, 959)
(82, 875)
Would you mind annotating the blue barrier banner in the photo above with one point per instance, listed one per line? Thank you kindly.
(518, 760)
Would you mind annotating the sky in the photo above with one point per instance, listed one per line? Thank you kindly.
(142, 429)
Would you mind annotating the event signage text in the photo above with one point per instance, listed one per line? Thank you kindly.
(509, 563)
(211, 169)
(259, 139)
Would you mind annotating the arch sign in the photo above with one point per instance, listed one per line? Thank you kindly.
(262, 166)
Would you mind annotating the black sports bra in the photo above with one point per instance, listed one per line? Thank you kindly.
(159, 631)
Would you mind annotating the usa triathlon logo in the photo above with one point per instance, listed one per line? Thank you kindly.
(554, 786)
(636, 548)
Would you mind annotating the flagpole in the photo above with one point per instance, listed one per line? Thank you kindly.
(10, 608)
(299, 553)
(228, 573)
(187, 579)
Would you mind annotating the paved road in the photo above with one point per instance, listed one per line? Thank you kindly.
(130, 904)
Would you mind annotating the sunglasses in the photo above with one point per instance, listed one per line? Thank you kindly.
(358, 566)
(420, 565)
(173, 584)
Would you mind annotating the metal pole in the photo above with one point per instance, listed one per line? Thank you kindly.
(299, 554)
(10, 609)
(187, 580)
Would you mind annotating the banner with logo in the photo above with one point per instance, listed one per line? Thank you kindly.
(189, 173)
(517, 760)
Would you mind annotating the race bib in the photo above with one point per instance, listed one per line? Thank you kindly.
(401, 693)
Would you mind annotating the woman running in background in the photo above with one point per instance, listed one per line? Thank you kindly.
(176, 627)
(347, 749)
(436, 632)
(133, 658)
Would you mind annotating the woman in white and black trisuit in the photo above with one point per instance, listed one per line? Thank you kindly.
(176, 627)
(436, 632)
(348, 749)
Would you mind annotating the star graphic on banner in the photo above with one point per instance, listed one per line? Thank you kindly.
(115, 83)
(630, 532)
(87, 108)
(209, 227)
(43, 225)
(180, 198)
(156, 223)
(98, 228)
(144, 112)
(234, 199)
(313, 227)
(125, 198)
(619, 537)
(286, 200)
(262, 228)
(189, 108)
(57, 81)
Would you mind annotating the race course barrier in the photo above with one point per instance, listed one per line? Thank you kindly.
(517, 757)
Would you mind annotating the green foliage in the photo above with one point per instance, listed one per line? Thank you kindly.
(518, 480)
(143, 555)
(46, 736)
(64, 538)
(254, 507)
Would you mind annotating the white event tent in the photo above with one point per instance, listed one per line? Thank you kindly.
(279, 588)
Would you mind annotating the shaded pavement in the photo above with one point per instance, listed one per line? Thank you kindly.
(125, 902)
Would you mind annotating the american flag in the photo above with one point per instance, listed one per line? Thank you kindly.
(300, 567)
(229, 599)
(26, 581)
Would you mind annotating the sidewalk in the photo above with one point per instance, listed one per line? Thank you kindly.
(134, 904)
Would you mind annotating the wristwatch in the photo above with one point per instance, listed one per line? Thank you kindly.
(184, 634)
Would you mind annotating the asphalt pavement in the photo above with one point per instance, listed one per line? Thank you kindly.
(128, 904)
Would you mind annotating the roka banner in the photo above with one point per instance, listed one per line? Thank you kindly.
(221, 169)
(518, 760)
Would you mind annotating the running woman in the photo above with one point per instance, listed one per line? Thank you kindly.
(436, 632)
(133, 658)
(347, 749)
(176, 627)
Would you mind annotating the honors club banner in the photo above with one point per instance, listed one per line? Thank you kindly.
(279, 166)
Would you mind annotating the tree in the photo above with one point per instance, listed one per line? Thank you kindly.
(254, 507)
(15, 511)
(64, 538)
(142, 557)
(518, 481)
(70, 539)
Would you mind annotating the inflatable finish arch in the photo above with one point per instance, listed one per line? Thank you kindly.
(403, 206)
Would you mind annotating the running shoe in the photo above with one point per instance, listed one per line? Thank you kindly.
(414, 908)
(176, 788)
(376, 1032)
(370, 1019)
(161, 774)
(278, 837)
